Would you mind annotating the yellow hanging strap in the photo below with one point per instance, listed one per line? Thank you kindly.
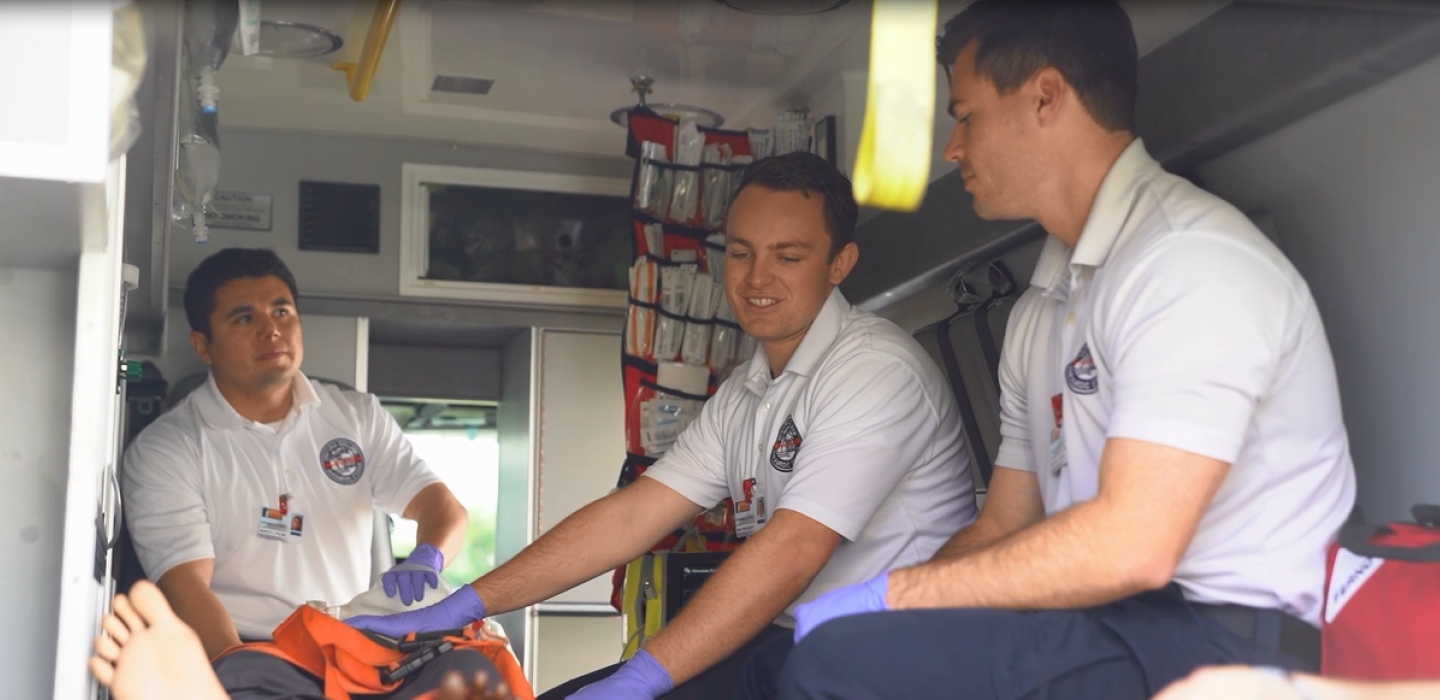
(892, 168)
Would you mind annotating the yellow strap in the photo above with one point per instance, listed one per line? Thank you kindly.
(892, 168)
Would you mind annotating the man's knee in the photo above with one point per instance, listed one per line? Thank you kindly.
(835, 653)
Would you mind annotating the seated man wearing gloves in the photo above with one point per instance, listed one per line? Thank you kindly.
(841, 429)
(256, 493)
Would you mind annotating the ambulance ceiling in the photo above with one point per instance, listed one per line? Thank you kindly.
(560, 67)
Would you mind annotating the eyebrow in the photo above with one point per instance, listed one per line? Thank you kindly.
(246, 308)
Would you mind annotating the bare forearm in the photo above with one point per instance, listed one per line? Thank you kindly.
(754, 586)
(979, 534)
(200, 608)
(440, 519)
(1077, 558)
(595, 539)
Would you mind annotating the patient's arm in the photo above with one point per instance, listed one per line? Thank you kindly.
(1013, 501)
(187, 588)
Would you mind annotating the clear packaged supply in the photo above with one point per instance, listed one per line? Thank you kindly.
(649, 190)
(762, 143)
(722, 339)
(671, 406)
(704, 294)
(689, 150)
(716, 173)
(640, 324)
(675, 283)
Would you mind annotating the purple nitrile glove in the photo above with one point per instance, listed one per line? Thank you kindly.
(457, 610)
(842, 602)
(408, 579)
(641, 678)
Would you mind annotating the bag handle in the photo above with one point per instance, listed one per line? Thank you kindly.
(1357, 536)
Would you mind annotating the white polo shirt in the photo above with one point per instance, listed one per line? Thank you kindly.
(1176, 321)
(860, 433)
(197, 480)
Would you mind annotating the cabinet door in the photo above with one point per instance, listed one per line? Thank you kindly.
(55, 60)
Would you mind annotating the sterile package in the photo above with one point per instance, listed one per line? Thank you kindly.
(675, 283)
(715, 257)
(689, 149)
(762, 143)
(649, 191)
(703, 296)
(717, 184)
(640, 326)
(722, 340)
(663, 418)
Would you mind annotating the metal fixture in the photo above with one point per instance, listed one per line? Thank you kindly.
(282, 39)
(784, 7)
(642, 85)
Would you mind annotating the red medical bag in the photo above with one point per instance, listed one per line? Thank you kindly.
(1381, 619)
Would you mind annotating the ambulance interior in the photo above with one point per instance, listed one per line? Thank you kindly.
(1315, 117)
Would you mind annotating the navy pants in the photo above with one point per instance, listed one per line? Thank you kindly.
(719, 682)
(1128, 650)
(255, 675)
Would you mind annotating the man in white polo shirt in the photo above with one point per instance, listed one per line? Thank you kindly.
(1174, 462)
(257, 492)
(839, 442)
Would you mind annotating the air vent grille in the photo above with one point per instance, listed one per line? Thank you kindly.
(462, 85)
(339, 217)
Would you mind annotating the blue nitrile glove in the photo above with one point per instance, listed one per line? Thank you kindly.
(641, 678)
(842, 602)
(421, 567)
(457, 610)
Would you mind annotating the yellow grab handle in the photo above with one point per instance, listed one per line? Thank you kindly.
(892, 168)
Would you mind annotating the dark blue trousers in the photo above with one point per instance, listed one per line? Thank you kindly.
(1128, 650)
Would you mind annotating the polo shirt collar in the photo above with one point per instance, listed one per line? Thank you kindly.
(813, 347)
(1108, 215)
(217, 412)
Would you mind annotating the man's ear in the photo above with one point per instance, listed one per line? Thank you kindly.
(1048, 90)
(202, 346)
(843, 263)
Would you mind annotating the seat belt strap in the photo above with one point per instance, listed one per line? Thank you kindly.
(962, 397)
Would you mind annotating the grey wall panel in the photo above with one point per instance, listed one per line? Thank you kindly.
(1352, 191)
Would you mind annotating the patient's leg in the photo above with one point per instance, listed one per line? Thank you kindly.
(149, 653)
(453, 687)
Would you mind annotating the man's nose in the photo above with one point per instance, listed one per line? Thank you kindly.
(955, 148)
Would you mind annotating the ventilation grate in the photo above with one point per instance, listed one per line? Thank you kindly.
(462, 85)
(339, 217)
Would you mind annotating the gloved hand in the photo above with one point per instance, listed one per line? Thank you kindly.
(457, 610)
(421, 567)
(842, 602)
(641, 678)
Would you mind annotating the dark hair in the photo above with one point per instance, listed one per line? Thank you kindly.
(806, 172)
(223, 268)
(1090, 42)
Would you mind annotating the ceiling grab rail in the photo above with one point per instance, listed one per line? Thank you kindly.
(359, 75)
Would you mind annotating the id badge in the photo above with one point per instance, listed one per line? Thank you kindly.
(273, 525)
(281, 524)
(749, 513)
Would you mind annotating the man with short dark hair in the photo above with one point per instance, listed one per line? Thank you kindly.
(839, 443)
(1174, 462)
(256, 493)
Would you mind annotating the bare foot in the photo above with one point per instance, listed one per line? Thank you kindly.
(148, 653)
(453, 687)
